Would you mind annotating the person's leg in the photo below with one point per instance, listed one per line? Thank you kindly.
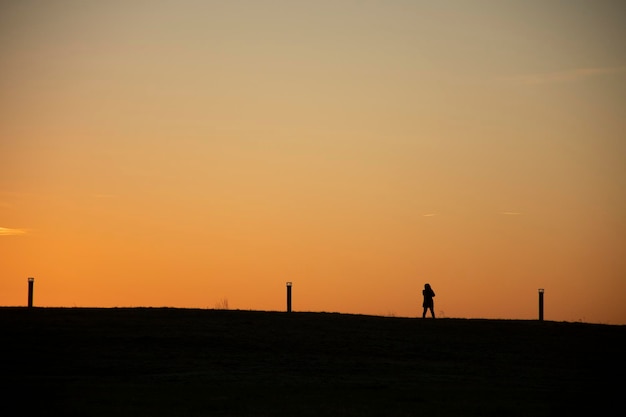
(424, 313)
(432, 312)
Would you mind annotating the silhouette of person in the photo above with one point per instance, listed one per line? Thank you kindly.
(428, 303)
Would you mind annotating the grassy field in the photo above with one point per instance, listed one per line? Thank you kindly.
(190, 362)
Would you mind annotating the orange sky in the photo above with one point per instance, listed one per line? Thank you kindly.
(179, 153)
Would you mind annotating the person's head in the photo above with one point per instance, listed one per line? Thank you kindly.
(427, 286)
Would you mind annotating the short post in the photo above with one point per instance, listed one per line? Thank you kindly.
(31, 283)
(540, 304)
(289, 297)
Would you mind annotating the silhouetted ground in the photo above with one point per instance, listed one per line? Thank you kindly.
(186, 362)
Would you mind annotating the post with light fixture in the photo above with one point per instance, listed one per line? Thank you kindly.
(31, 283)
(289, 297)
(540, 304)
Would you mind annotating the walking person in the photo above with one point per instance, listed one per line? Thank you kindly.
(428, 303)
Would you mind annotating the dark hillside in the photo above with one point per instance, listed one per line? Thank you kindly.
(185, 362)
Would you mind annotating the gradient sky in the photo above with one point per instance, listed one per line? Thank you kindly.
(182, 153)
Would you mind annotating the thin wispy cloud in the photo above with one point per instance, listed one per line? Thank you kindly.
(511, 213)
(5, 231)
(429, 214)
(571, 75)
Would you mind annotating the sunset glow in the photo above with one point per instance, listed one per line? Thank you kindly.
(183, 153)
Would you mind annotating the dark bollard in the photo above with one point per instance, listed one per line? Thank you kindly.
(31, 282)
(289, 297)
(540, 304)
